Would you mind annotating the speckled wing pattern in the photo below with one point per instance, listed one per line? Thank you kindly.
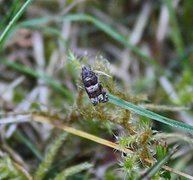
(94, 89)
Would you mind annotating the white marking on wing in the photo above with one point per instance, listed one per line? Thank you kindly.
(87, 78)
(100, 97)
(93, 88)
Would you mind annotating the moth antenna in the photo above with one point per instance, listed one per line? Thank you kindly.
(103, 73)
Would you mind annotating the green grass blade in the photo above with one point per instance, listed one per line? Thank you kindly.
(29, 145)
(157, 166)
(112, 33)
(141, 111)
(14, 7)
(13, 21)
(53, 83)
(101, 25)
(36, 23)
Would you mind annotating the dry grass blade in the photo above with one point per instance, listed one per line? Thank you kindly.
(20, 168)
(57, 124)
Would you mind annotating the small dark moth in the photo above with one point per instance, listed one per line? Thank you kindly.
(93, 88)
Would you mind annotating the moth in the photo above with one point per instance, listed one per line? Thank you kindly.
(94, 89)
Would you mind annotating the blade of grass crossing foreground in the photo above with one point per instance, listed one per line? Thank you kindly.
(141, 111)
(13, 21)
(13, 8)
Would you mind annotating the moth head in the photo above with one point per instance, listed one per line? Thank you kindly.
(89, 78)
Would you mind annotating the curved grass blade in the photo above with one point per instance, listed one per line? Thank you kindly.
(141, 111)
(111, 32)
(101, 25)
(13, 21)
